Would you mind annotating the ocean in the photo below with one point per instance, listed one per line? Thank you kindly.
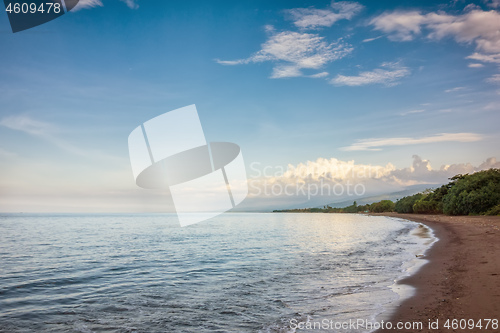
(238, 272)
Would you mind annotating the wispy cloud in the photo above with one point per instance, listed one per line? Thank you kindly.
(6, 153)
(132, 4)
(475, 65)
(319, 75)
(371, 39)
(494, 79)
(493, 58)
(28, 125)
(377, 144)
(49, 133)
(454, 89)
(480, 27)
(473, 26)
(294, 51)
(388, 74)
(39, 129)
(401, 26)
(411, 112)
(85, 4)
(311, 18)
(492, 3)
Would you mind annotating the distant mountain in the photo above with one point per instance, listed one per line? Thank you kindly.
(410, 190)
(285, 203)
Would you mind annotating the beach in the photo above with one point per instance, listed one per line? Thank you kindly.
(462, 277)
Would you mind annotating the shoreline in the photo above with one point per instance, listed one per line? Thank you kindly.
(461, 279)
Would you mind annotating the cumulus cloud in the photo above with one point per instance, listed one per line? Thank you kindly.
(294, 51)
(330, 180)
(388, 74)
(311, 18)
(316, 182)
(422, 172)
(333, 169)
(377, 144)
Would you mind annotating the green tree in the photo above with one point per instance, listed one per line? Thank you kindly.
(382, 206)
(405, 204)
(473, 194)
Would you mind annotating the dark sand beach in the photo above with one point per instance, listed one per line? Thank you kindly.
(461, 279)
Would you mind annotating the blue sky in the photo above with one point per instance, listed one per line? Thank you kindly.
(290, 81)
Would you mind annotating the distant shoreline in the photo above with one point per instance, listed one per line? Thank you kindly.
(461, 279)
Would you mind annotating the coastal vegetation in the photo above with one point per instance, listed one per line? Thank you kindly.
(470, 194)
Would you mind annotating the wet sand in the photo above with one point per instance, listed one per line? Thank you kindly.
(461, 279)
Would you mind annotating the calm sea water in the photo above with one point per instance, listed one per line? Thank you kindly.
(235, 273)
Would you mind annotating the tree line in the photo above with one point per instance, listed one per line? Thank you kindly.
(469, 194)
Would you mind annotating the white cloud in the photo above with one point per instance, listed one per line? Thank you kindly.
(475, 65)
(402, 26)
(421, 171)
(319, 75)
(376, 144)
(454, 89)
(493, 58)
(326, 180)
(492, 3)
(6, 153)
(494, 79)
(388, 75)
(285, 71)
(131, 4)
(39, 129)
(28, 125)
(49, 133)
(83, 4)
(333, 169)
(411, 112)
(495, 106)
(371, 39)
(311, 18)
(475, 26)
(232, 62)
(294, 51)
